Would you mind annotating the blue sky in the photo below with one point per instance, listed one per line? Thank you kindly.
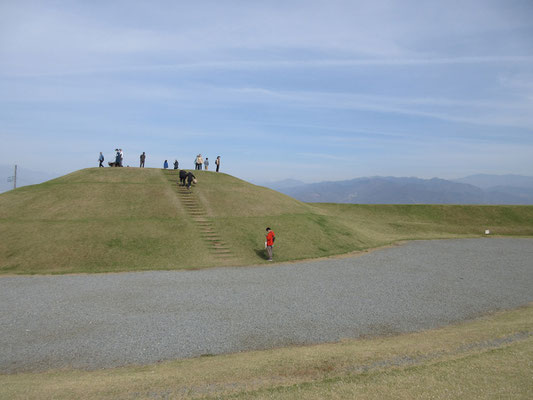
(311, 90)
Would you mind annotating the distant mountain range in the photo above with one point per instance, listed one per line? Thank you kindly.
(475, 189)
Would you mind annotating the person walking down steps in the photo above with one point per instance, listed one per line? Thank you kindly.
(101, 160)
(269, 244)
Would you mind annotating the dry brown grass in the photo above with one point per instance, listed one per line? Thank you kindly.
(487, 358)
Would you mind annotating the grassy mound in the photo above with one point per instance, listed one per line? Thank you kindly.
(124, 219)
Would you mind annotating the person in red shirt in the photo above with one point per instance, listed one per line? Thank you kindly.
(270, 238)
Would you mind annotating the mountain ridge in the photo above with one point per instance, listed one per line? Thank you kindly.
(412, 190)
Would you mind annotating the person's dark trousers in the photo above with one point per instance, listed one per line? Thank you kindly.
(142, 165)
(100, 165)
(218, 166)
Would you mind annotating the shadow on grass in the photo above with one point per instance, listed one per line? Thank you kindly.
(261, 253)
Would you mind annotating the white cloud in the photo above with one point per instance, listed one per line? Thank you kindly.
(41, 37)
(342, 71)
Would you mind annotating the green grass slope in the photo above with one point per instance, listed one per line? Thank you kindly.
(125, 219)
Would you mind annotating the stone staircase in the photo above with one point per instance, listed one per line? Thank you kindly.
(192, 204)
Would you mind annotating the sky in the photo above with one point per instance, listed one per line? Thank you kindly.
(310, 90)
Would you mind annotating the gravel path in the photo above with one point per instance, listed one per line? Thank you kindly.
(96, 321)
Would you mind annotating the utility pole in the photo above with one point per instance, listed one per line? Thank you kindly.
(13, 178)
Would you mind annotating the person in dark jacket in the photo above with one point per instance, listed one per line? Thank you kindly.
(176, 164)
(190, 179)
(186, 176)
(183, 177)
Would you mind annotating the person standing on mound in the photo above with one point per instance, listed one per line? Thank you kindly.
(270, 239)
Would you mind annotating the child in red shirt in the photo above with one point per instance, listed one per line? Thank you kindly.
(270, 238)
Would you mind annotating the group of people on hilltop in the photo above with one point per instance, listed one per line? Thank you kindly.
(119, 161)
(176, 164)
(199, 161)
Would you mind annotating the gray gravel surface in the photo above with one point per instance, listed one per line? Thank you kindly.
(107, 320)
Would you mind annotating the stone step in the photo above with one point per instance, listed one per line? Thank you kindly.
(219, 245)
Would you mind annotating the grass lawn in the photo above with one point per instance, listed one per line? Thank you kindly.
(130, 219)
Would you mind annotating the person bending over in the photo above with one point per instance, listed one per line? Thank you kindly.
(186, 178)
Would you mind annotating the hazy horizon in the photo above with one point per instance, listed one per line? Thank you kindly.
(32, 177)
